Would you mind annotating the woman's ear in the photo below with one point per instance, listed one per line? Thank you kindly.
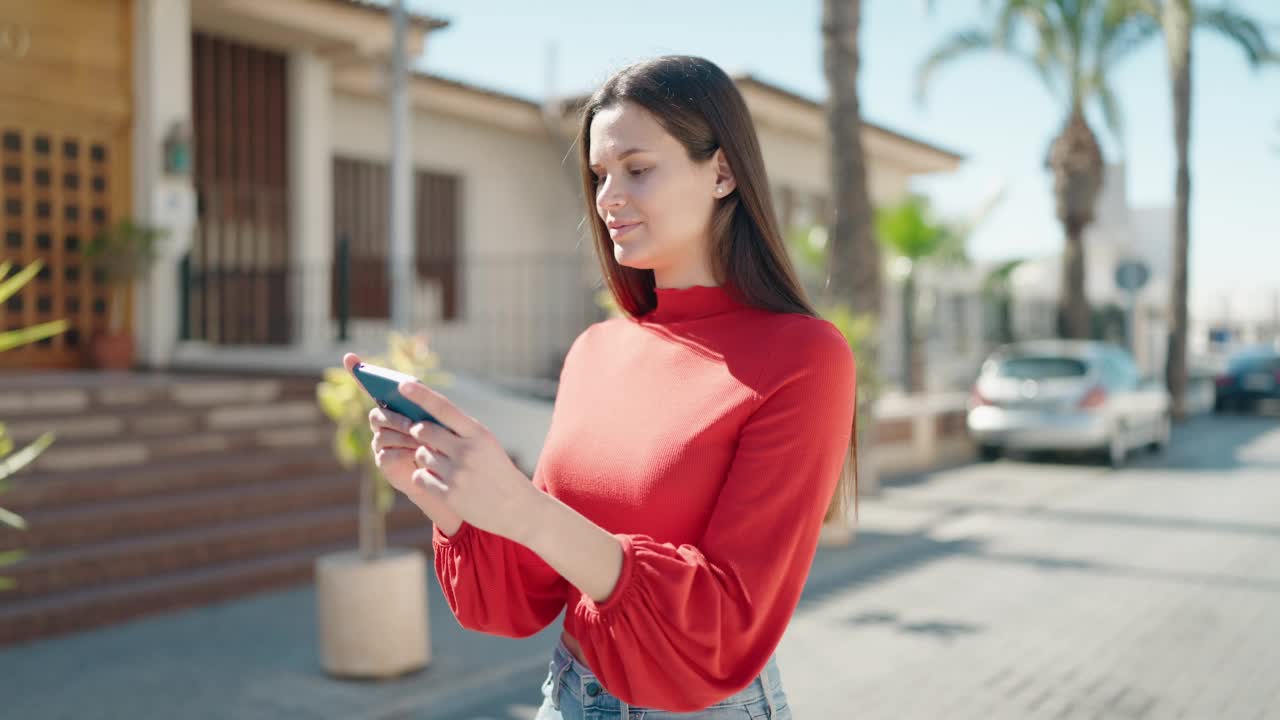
(725, 183)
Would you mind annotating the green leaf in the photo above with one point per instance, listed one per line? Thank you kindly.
(16, 338)
(956, 45)
(351, 450)
(25, 456)
(15, 283)
(125, 250)
(1243, 31)
(12, 519)
(9, 557)
(384, 494)
(907, 229)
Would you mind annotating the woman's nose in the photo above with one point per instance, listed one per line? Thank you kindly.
(610, 197)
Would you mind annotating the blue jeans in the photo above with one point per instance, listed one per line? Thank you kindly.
(572, 692)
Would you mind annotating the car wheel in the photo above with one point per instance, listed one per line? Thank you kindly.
(988, 453)
(1163, 432)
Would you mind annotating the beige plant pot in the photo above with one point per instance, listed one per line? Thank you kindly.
(373, 615)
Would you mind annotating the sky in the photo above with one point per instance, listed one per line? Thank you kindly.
(989, 108)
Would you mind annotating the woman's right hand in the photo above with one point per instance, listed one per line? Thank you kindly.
(393, 450)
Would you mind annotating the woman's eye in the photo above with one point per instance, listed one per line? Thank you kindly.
(637, 172)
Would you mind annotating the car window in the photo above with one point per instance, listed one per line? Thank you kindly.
(1041, 368)
(1111, 373)
(1126, 370)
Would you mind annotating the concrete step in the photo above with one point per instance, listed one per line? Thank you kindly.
(123, 561)
(94, 456)
(40, 395)
(89, 428)
(54, 528)
(78, 488)
(42, 617)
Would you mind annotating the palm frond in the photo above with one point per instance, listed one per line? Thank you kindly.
(12, 519)
(1246, 32)
(999, 277)
(1122, 34)
(1012, 14)
(11, 286)
(15, 462)
(1111, 112)
(958, 44)
(10, 339)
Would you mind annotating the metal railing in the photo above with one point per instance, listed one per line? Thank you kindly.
(513, 316)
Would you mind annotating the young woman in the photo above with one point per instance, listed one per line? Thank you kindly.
(697, 443)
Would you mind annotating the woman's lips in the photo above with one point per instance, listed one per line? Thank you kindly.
(616, 233)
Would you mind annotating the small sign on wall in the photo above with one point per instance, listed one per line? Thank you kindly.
(174, 205)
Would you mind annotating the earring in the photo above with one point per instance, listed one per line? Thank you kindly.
(719, 190)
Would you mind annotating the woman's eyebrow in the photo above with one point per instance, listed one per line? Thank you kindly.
(624, 154)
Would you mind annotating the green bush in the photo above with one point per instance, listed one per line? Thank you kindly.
(346, 403)
(11, 462)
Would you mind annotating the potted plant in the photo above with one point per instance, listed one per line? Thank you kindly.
(11, 462)
(124, 253)
(372, 602)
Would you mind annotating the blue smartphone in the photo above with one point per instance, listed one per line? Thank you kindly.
(382, 385)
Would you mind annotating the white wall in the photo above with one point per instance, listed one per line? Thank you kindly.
(519, 236)
(162, 96)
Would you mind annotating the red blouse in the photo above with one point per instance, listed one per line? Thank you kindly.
(708, 437)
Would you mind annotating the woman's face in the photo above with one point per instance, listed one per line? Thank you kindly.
(656, 202)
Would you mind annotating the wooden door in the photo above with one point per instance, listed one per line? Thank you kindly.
(65, 146)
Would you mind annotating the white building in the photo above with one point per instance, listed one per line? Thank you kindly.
(286, 105)
(1119, 232)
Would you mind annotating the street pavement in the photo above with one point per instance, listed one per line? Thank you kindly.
(1035, 587)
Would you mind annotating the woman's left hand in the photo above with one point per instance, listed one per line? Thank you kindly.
(468, 468)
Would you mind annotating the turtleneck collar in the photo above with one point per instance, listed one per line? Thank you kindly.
(692, 303)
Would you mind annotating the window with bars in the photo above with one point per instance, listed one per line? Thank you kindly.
(361, 193)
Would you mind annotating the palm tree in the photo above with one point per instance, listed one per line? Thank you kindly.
(997, 290)
(909, 231)
(1177, 19)
(11, 464)
(854, 272)
(1075, 46)
(854, 267)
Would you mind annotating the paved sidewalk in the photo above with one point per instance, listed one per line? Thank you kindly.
(258, 658)
(1036, 589)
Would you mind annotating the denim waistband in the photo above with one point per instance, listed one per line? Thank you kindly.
(570, 675)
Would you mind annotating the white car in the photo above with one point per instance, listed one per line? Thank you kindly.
(1067, 395)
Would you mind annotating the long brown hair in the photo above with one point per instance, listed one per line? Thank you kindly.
(701, 107)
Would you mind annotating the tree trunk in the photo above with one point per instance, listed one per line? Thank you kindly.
(1074, 304)
(371, 523)
(853, 257)
(912, 357)
(1076, 160)
(1177, 30)
(853, 267)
